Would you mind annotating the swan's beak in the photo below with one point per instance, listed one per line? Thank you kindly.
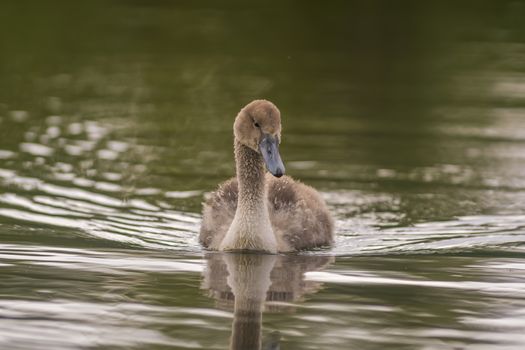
(270, 151)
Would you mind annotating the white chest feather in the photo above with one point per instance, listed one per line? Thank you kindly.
(250, 230)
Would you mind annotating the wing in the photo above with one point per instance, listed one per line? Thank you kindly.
(298, 214)
(218, 212)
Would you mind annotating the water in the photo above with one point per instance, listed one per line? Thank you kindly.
(115, 120)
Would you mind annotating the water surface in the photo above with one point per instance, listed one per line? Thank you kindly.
(115, 121)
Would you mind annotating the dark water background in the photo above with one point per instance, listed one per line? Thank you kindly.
(115, 120)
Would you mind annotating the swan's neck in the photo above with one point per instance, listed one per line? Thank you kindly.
(250, 175)
(251, 228)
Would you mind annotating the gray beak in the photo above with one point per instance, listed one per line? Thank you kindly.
(270, 151)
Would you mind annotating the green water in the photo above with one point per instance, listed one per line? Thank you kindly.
(116, 120)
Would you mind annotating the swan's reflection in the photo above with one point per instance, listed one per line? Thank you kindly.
(249, 283)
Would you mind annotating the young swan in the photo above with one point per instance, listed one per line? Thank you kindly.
(257, 211)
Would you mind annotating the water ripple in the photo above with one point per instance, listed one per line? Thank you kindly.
(57, 324)
(93, 260)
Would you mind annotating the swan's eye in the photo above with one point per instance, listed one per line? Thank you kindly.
(256, 124)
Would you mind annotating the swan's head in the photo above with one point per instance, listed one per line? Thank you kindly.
(258, 126)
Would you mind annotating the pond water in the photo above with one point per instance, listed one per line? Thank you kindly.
(115, 121)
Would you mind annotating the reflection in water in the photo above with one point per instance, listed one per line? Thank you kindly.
(251, 283)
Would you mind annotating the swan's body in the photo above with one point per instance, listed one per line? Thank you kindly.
(255, 210)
